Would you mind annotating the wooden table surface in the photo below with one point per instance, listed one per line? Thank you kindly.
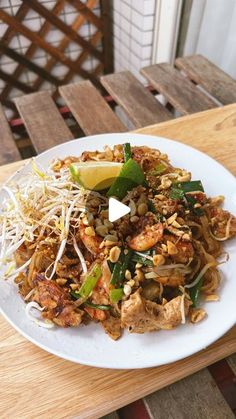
(37, 384)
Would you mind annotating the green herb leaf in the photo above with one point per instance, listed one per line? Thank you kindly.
(127, 152)
(131, 175)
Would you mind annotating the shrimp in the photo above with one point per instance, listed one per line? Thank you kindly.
(148, 238)
(96, 313)
(92, 243)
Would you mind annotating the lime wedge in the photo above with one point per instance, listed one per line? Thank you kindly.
(130, 176)
(94, 175)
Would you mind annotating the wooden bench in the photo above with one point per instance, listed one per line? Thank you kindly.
(93, 114)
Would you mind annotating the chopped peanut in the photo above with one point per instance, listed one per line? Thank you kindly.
(114, 254)
(197, 314)
(90, 231)
(171, 248)
(142, 209)
(158, 260)
(102, 230)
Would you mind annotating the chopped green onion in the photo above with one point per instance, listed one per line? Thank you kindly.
(151, 207)
(142, 259)
(97, 306)
(120, 267)
(179, 190)
(159, 169)
(191, 186)
(90, 281)
(196, 285)
(110, 265)
(75, 294)
(195, 292)
(127, 152)
(131, 175)
(192, 201)
(116, 295)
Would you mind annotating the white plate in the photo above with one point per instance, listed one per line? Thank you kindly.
(89, 344)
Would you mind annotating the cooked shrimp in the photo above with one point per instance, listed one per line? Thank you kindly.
(96, 313)
(148, 238)
(92, 243)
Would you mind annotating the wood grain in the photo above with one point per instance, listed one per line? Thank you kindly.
(232, 363)
(64, 389)
(67, 30)
(35, 38)
(85, 11)
(35, 383)
(42, 120)
(90, 110)
(25, 62)
(142, 108)
(78, 22)
(212, 131)
(9, 34)
(208, 75)
(9, 150)
(180, 92)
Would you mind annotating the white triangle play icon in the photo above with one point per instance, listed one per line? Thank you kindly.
(116, 210)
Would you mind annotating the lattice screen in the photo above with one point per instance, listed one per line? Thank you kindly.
(48, 43)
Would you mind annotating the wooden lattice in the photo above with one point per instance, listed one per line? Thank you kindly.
(98, 46)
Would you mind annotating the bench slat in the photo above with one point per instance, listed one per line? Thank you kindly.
(232, 362)
(139, 104)
(196, 396)
(9, 151)
(90, 110)
(179, 90)
(42, 120)
(208, 75)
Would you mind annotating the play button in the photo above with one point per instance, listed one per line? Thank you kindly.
(116, 210)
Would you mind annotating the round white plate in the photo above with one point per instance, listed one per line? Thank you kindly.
(89, 344)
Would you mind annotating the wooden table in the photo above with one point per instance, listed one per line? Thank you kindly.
(35, 383)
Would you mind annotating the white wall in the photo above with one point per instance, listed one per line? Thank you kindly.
(212, 32)
(133, 34)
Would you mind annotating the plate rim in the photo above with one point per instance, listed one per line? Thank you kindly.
(184, 354)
